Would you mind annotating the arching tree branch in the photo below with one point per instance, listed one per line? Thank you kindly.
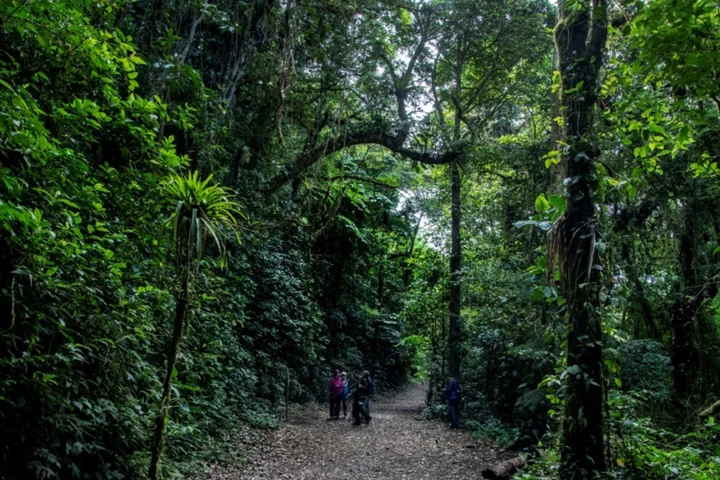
(392, 143)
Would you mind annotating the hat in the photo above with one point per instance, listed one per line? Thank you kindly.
(343, 374)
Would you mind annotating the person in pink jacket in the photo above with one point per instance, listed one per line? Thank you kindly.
(336, 386)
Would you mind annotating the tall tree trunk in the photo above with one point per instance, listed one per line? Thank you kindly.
(685, 355)
(580, 38)
(455, 335)
(181, 306)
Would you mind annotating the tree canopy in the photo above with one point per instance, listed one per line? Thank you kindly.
(206, 207)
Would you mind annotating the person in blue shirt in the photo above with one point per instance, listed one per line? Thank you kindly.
(346, 393)
(453, 393)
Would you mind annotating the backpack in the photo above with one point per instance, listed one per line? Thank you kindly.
(372, 386)
(458, 390)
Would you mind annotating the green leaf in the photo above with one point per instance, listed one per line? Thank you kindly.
(656, 128)
(558, 201)
(541, 203)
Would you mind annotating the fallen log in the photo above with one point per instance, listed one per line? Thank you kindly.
(503, 470)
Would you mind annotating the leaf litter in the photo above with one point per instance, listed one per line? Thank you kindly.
(398, 444)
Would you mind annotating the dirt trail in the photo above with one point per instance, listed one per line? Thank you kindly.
(398, 444)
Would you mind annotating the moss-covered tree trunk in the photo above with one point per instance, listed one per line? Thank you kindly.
(181, 306)
(580, 38)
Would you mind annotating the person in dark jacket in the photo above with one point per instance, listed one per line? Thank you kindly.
(453, 392)
(360, 394)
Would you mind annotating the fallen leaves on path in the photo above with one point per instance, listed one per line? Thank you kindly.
(398, 444)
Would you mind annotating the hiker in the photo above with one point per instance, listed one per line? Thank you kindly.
(346, 393)
(453, 393)
(336, 393)
(360, 394)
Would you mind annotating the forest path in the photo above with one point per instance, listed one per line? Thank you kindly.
(398, 444)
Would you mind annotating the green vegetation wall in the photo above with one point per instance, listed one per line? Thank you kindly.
(99, 104)
(336, 126)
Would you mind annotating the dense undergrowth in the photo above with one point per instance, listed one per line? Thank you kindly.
(91, 132)
(337, 131)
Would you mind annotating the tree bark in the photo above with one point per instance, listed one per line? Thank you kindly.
(580, 38)
(173, 348)
(685, 355)
(455, 334)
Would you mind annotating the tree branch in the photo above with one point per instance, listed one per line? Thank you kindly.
(359, 178)
(436, 98)
(371, 136)
(392, 143)
(191, 36)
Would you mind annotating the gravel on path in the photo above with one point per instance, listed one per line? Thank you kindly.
(398, 444)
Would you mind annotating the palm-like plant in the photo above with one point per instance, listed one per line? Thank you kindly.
(202, 210)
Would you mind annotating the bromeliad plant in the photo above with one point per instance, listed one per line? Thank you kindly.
(201, 210)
